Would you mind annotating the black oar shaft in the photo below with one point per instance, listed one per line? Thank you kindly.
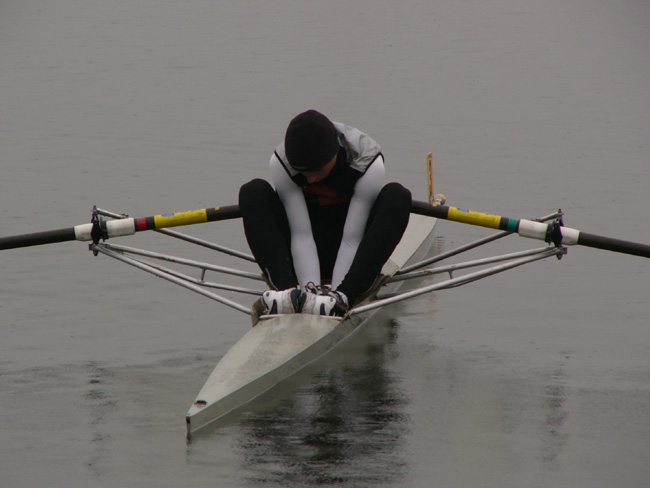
(38, 238)
(611, 244)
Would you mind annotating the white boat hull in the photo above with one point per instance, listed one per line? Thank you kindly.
(280, 346)
(269, 353)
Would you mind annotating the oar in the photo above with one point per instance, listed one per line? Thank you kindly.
(100, 229)
(103, 229)
(549, 232)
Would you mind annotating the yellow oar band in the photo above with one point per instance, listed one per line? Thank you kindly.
(474, 218)
(181, 218)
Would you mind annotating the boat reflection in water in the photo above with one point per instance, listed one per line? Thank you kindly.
(344, 424)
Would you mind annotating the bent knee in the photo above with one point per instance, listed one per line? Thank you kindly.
(254, 191)
(396, 194)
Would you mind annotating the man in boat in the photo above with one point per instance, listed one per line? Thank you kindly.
(322, 236)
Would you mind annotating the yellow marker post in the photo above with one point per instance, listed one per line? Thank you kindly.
(430, 177)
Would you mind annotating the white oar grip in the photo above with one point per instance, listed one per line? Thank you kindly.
(122, 227)
(114, 228)
(532, 229)
(539, 230)
(569, 236)
(82, 232)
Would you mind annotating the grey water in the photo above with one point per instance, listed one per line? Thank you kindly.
(537, 377)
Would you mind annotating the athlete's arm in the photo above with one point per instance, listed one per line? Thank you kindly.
(365, 193)
(303, 246)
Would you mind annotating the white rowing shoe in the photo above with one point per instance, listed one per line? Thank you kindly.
(297, 300)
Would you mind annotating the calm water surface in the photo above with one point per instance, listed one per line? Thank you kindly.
(538, 377)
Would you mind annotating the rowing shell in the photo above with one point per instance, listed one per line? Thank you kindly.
(279, 346)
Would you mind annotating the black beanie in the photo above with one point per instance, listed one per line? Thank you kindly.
(310, 141)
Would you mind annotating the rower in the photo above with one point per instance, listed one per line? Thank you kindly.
(323, 234)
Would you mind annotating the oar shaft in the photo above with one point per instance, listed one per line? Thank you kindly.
(531, 229)
(465, 216)
(187, 218)
(611, 244)
(38, 238)
(121, 227)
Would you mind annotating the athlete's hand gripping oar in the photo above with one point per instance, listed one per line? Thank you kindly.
(550, 232)
(104, 229)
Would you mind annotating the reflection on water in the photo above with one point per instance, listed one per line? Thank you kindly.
(100, 405)
(554, 435)
(343, 426)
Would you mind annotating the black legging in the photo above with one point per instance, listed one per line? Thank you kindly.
(269, 237)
